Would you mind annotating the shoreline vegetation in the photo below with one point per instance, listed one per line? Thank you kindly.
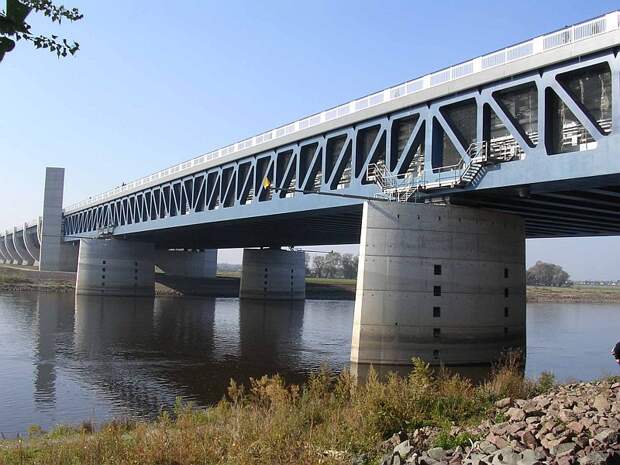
(22, 279)
(426, 417)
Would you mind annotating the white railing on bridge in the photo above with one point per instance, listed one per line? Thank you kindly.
(563, 37)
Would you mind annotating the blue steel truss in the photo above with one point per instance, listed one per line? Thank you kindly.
(416, 143)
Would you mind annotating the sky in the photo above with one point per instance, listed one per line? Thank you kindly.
(159, 82)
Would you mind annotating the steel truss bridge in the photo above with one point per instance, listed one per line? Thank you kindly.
(532, 129)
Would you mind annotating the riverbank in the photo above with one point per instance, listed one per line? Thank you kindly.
(21, 279)
(18, 279)
(575, 294)
(423, 418)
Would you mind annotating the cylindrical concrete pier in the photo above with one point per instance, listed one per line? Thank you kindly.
(443, 283)
(115, 267)
(273, 274)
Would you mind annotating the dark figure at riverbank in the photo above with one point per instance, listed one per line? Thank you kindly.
(616, 353)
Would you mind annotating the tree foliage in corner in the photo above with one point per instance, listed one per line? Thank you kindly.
(13, 26)
(547, 274)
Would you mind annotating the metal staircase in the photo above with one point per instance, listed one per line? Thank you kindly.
(402, 188)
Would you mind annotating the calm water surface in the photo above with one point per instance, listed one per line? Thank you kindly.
(64, 360)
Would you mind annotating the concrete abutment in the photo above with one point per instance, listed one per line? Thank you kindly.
(55, 254)
(443, 283)
(273, 274)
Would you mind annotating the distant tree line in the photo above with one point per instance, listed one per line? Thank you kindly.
(547, 274)
(332, 265)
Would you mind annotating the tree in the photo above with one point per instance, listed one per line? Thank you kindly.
(318, 267)
(349, 266)
(308, 268)
(547, 274)
(333, 265)
(13, 26)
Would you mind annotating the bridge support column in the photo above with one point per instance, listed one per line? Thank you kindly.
(443, 283)
(19, 244)
(187, 263)
(31, 242)
(115, 267)
(273, 274)
(10, 248)
(56, 255)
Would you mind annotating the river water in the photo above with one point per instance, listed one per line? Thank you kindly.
(65, 361)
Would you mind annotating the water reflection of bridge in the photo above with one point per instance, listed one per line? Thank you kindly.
(139, 354)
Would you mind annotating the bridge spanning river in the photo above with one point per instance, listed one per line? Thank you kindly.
(440, 179)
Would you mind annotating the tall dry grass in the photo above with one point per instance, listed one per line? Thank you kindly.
(328, 420)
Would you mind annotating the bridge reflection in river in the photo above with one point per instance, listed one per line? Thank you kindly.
(66, 360)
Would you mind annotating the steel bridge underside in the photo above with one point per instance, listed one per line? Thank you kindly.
(553, 137)
(592, 210)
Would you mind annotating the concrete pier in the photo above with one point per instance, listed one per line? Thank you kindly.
(443, 283)
(273, 274)
(187, 263)
(31, 242)
(115, 267)
(56, 255)
(10, 248)
(20, 247)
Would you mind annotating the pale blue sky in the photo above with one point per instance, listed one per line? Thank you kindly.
(159, 82)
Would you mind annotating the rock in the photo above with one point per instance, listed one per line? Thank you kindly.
(576, 427)
(426, 460)
(601, 403)
(505, 457)
(607, 436)
(528, 439)
(487, 447)
(515, 414)
(593, 458)
(533, 454)
(361, 459)
(566, 448)
(404, 449)
(531, 409)
(566, 415)
(503, 403)
(500, 428)
(498, 441)
(436, 453)
(516, 427)
(565, 460)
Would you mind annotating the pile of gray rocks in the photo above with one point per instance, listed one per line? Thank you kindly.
(575, 424)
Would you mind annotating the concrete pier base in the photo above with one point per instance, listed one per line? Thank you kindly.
(443, 283)
(115, 267)
(187, 263)
(273, 274)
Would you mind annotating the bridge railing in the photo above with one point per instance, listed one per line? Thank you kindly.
(560, 38)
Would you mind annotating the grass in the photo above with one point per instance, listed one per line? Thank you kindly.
(591, 294)
(332, 281)
(328, 420)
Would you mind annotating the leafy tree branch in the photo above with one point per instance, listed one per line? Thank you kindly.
(13, 26)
